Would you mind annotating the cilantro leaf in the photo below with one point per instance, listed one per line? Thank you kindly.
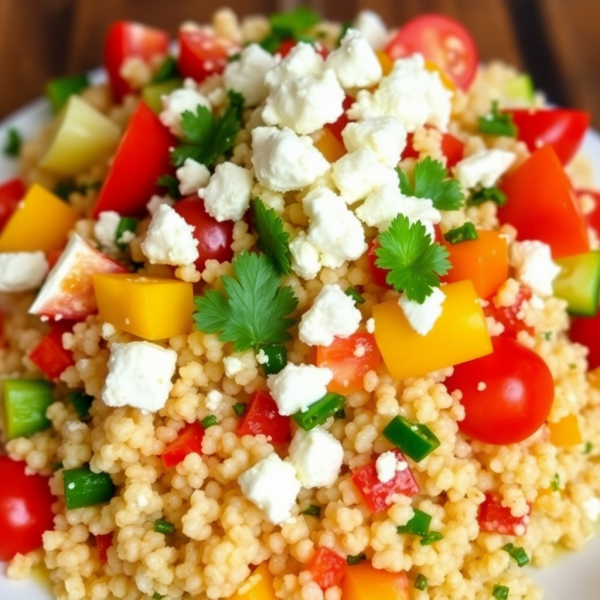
(254, 309)
(497, 122)
(272, 239)
(13, 142)
(171, 184)
(414, 263)
(430, 180)
(292, 23)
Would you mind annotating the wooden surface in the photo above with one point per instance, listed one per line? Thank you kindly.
(557, 41)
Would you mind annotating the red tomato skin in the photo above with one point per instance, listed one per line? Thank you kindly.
(188, 440)
(429, 34)
(25, 509)
(593, 218)
(262, 417)
(49, 355)
(586, 331)
(378, 275)
(126, 39)
(103, 543)
(561, 128)
(11, 193)
(142, 157)
(377, 495)
(327, 567)
(518, 394)
(214, 238)
(507, 315)
(452, 148)
(202, 53)
(542, 205)
(495, 518)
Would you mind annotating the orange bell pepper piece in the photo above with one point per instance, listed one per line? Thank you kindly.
(387, 64)
(259, 586)
(329, 146)
(565, 432)
(365, 582)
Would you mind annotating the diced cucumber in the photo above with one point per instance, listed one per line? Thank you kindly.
(152, 93)
(579, 283)
(25, 404)
(520, 88)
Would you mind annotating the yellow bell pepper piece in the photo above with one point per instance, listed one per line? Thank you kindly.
(153, 308)
(446, 81)
(41, 222)
(329, 146)
(565, 432)
(259, 586)
(387, 64)
(459, 335)
(83, 137)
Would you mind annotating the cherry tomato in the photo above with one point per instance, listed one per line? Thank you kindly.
(509, 315)
(443, 41)
(25, 509)
(262, 417)
(327, 567)
(561, 128)
(507, 395)
(214, 238)
(586, 331)
(452, 148)
(124, 40)
(11, 193)
(495, 518)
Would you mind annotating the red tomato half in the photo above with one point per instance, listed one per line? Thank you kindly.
(214, 238)
(507, 395)
(441, 40)
(124, 40)
(262, 418)
(11, 193)
(561, 128)
(25, 512)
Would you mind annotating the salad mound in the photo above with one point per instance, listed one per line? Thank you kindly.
(305, 311)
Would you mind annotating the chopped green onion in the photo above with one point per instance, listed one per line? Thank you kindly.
(464, 233)
(81, 403)
(418, 524)
(25, 405)
(13, 142)
(413, 439)
(340, 414)
(127, 225)
(320, 411)
(162, 526)
(358, 299)
(157, 596)
(167, 70)
(240, 409)
(588, 447)
(83, 487)
(517, 554)
(497, 123)
(276, 359)
(421, 582)
(431, 538)
(312, 511)
(492, 194)
(60, 90)
(56, 466)
(555, 483)
(209, 421)
(354, 560)
(500, 592)
(547, 335)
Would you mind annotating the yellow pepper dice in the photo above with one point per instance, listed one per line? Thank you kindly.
(565, 432)
(387, 64)
(459, 335)
(329, 146)
(41, 222)
(446, 81)
(259, 586)
(153, 308)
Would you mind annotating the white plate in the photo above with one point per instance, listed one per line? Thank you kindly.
(574, 575)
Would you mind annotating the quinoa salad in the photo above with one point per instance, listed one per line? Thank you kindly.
(300, 310)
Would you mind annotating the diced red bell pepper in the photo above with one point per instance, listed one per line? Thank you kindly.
(327, 567)
(142, 157)
(262, 417)
(507, 315)
(49, 355)
(379, 496)
(188, 440)
(495, 518)
(11, 193)
(103, 543)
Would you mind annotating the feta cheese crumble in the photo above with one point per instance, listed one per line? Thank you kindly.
(105, 229)
(333, 314)
(302, 61)
(22, 271)
(384, 135)
(170, 240)
(233, 366)
(484, 168)
(370, 325)
(422, 317)
(139, 375)
(305, 257)
(387, 465)
(296, 387)
(371, 25)
(227, 196)
(213, 399)
(157, 201)
(534, 267)
(178, 102)
(192, 176)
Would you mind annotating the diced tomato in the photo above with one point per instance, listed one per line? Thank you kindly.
(509, 315)
(11, 193)
(586, 331)
(142, 157)
(364, 581)
(541, 205)
(49, 355)
(379, 496)
(327, 567)
(203, 53)
(125, 40)
(339, 126)
(103, 543)
(561, 128)
(495, 518)
(262, 417)
(286, 47)
(592, 218)
(378, 275)
(188, 440)
(441, 40)
(452, 148)
(349, 359)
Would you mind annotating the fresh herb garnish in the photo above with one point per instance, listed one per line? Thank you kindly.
(588, 447)
(167, 70)
(431, 538)
(500, 592)
(517, 554)
(272, 239)
(240, 409)
(209, 421)
(421, 582)
(354, 560)
(351, 291)
(414, 263)
(464, 233)
(254, 309)
(171, 184)
(312, 511)
(555, 483)
(14, 142)
(430, 180)
(292, 25)
(497, 123)
(547, 335)
(125, 232)
(206, 137)
(493, 194)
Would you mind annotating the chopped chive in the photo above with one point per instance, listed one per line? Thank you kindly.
(492, 194)
(340, 414)
(555, 483)
(588, 447)
(517, 554)
(83, 487)
(351, 291)
(81, 403)
(500, 592)
(431, 538)
(413, 439)
(162, 526)
(125, 229)
(209, 421)
(312, 511)
(167, 70)
(354, 560)
(421, 582)
(464, 233)
(13, 142)
(320, 411)
(418, 524)
(240, 409)
(157, 596)
(547, 335)
(276, 359)
(497, 122)
(25, 405)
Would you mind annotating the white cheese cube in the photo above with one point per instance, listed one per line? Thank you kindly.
(371, 25)
(305, 257)
(302, 61)
(227, 196)
(22, 271)
(105, 229)
(384, 135)
(422, 317)
(534, 267)
(192, 176)
(484, 168)
(178, 102)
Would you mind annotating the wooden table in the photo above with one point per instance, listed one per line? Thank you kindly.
(557, 41)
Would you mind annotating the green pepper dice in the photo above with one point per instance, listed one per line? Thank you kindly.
(83, 487)
(25, 405)
(320, 411)
(418, 524)
(414, 439)
(276, 359)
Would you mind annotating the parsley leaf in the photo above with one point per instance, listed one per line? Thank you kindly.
(272, 239)
(430, 180)
(13, 142)
(171, 184)
(497, 123)
(293, 23)
(253, 310)
(207, 137)
(414, 263)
